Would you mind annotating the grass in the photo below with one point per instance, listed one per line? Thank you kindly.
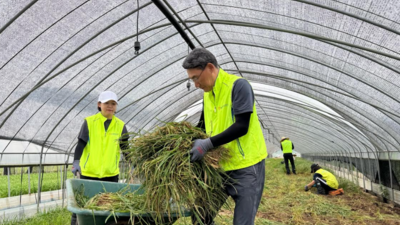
(51, 181)
(57, 216)
(285, 202)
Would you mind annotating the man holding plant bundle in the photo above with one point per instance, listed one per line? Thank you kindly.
(97, 153)
(229, 116)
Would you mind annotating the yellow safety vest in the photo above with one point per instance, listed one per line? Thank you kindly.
(100, 157)
(287, 146)
(329, 178)
(249, 149)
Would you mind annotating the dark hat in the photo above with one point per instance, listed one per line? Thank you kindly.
(313, 167)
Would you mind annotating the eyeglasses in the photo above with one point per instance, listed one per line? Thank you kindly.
(196, 78)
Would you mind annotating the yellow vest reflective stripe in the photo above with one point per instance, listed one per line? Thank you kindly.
(100, 158)
(286, 146)
(329, 178)
(218, 116)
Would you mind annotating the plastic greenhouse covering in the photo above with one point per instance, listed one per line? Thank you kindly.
(325, 73)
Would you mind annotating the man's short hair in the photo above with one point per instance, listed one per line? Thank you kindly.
(199, 58)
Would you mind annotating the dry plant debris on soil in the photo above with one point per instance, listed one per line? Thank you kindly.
(285, 202)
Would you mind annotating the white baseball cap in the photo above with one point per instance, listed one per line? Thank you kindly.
(106, 96)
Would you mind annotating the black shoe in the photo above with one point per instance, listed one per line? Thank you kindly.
(294, 172)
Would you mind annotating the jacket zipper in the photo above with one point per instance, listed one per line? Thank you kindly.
(87, 159)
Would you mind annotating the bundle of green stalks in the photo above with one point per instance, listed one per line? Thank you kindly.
(171, 182)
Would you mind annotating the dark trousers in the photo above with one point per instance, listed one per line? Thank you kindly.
(110, 179)
(245, 186)
(289, 157)
(322, 186)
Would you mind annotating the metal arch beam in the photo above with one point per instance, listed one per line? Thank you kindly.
(101, 68)
(85, 107)
(371, 58)
(332, 121)
(324, 120)
(311, 126)
(384, 64)
(366, 11)
(314, 128)
(184, 24)
(237, 23)
(288, 79)
(60, 47)
(350, 15)
(351, 140)
(317, 62)
(108, 47)
(17, 15)
(175, 23)
(361, 127)
(297, 19)
(24, 96)
(112, 72)
(43, 79)
(350, 95)
(37, 36)
(263, 74)
(327, 143)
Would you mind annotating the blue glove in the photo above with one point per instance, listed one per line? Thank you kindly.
(306, 188)
(76, 167)
(200, 148)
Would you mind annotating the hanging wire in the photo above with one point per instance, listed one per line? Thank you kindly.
(137, 43)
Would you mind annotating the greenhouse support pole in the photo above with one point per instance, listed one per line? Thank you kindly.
(61, 178)
(390, 173)
(351, 168)
(39, 186)
(8, 177)
(29, 180)
(371, 172)
(63, 183)
(363, 169)
(173, 21)
(58, 178)
(379, 169)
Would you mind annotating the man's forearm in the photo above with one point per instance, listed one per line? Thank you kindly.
(235, 131)
(79, 149)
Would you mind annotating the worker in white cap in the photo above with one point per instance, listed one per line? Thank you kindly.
(100, 140)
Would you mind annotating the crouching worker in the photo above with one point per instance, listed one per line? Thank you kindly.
(325, 182)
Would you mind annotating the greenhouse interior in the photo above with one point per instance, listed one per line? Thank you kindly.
(325, 73)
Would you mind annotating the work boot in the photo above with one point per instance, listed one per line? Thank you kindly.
(320, 189)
